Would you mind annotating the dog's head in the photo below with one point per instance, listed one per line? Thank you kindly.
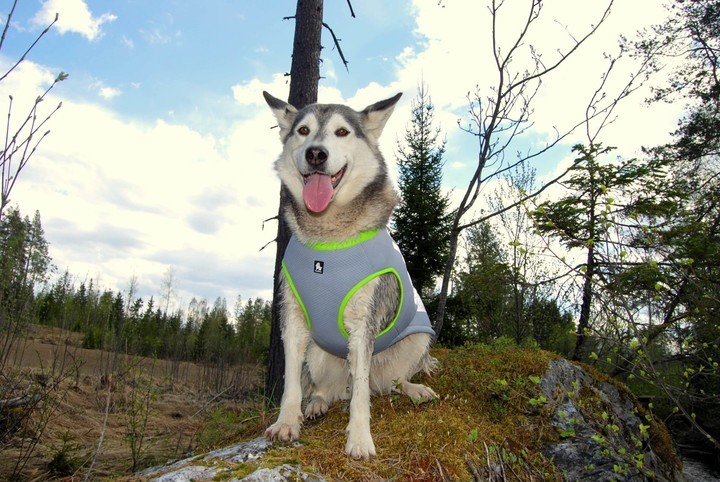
(330, 151)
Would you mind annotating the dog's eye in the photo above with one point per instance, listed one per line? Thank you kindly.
(342, 132)
(303, 130)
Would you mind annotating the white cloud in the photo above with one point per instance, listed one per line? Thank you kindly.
(120, 197)
(453, 56)
(160, 36)
(74, 16)
(250, 92)
(128, 42)
(109, 93)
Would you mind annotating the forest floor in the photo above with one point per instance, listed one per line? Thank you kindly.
(156, 410)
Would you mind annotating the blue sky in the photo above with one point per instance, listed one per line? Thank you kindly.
(161, 156)
(171, 59)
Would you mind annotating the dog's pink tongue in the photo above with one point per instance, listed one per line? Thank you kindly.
(318, 192)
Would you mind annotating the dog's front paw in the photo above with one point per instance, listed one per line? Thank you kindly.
(284, 431)
(360, 444)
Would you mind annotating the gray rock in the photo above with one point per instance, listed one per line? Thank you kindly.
(222, 463)
(242, 452)
(602, 436)
(188, 474)
(281, 474)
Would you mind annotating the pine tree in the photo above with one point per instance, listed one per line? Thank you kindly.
(480, 301)
(602, 217)
(422, 223)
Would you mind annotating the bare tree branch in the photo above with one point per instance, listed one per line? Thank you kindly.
(24, 55)
(23, 143)
(519, 202)
(7, 24)
(352, 12)
(498, 119)
(337, 45)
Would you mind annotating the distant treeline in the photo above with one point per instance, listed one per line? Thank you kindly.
(483, 307)
(114, 321)
(202, 333)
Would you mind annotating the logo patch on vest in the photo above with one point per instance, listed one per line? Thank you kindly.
(319, 267)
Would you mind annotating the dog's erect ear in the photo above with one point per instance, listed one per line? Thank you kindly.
(284, 113)
(375, 116)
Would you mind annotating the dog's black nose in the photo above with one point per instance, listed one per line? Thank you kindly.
(316, 156)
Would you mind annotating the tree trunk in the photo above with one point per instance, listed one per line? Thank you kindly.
(304, 78)
(587, 293)
(584, 320)
(305, 69)
(444, 290)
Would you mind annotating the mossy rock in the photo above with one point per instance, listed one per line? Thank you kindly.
(503, 412)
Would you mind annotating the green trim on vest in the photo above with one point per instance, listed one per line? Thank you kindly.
(360, 238)
(341, 311)
(297, 295)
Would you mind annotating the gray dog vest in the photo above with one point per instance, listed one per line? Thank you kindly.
(323, 278)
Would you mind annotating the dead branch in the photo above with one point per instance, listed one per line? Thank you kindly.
(274, 218)
(352, 12)
(21, 401)
(336, 40)
(102, 430)
(267, 244)
(32, 46)
(211, 401)
(337, 45)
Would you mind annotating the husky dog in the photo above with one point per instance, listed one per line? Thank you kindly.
(352, 321)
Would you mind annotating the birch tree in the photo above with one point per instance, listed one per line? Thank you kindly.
(22, 138)
(503, 114)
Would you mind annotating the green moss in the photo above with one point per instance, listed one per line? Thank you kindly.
(238, 472)
(489, 415)
(483, 391)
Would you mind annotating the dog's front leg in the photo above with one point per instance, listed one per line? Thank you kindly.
(295, 338)
(359, 439)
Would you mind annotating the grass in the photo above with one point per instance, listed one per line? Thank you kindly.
(180, 417)
(490, 423)
(482, 421)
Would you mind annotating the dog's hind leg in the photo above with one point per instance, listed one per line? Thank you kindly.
(329, 380)
(295, 341)
(393, 368)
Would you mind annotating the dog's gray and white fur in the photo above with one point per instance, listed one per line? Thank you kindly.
(342, 143)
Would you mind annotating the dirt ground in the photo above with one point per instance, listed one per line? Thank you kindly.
(182, 415)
